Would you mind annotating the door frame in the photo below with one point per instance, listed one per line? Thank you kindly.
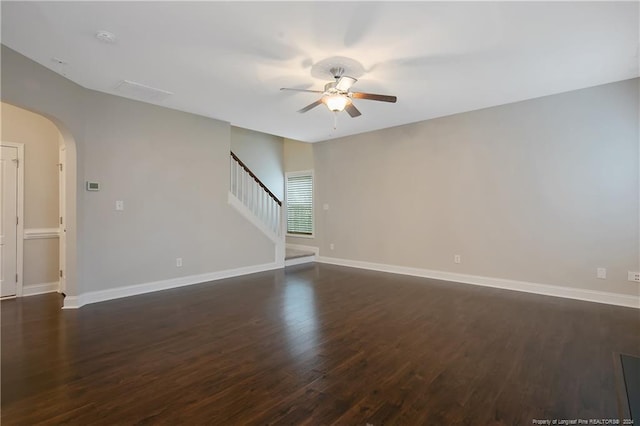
(62, 222)
(20, 213)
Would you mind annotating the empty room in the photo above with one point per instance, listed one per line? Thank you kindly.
(319, 213)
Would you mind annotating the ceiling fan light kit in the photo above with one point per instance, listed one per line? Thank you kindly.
(337, 95)
(335, 103)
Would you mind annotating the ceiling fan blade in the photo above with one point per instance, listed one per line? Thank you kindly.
(373, 97)
(345, 83)
(301, 90)
(352, 110)
(311, 106)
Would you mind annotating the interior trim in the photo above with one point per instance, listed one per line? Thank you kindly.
(251, 217)
(41, 233)
(75, 302)
(506, 284)
(34, 289)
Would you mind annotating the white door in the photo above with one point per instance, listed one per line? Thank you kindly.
(8, 224)
(63, 221)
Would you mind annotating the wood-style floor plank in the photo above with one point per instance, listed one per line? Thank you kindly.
(313, 345)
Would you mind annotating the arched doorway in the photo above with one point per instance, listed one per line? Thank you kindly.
(46, 243)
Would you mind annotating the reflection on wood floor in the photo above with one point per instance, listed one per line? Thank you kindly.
(313, 344)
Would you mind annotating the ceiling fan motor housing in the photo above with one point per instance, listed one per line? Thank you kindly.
(330, 87)
(336, 72)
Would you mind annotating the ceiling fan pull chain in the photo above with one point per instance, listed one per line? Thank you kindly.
(335, 120)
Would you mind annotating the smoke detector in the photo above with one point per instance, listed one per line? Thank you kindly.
(106, 37)
(61, 65)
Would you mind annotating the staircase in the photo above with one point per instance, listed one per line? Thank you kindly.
(296, 255)
(256, 203)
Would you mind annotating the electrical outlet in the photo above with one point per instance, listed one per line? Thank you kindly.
(601, 273)
(331, 246)
(119, 205)
(634, 276)
(457, 258)
(178, 262)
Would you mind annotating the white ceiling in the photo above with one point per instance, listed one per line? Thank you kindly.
(228, 60)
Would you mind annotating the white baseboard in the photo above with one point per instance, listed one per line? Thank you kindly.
(528, 287)
(133, 290)
(71, 302)
(33, 289)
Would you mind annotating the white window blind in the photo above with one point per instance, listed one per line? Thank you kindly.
(300, 204)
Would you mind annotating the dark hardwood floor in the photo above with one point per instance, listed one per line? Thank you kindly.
(315, 344)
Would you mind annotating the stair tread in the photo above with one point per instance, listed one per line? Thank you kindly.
(295, 254)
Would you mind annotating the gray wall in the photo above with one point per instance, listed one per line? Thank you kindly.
(263, 154)
(29, 85)
(544, 191)
(298, 156)
(170, 168)
(41, 143)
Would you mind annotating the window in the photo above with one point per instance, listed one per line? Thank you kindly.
(299, 201)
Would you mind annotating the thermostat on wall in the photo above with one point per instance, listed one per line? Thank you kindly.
(93, 186)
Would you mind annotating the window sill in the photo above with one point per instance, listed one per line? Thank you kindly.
(300, 236)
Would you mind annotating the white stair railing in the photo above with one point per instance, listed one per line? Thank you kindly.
(255, 196)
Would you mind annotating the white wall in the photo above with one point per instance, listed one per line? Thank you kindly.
(41, 143)
(170, 168)
(543, 191)
(263, 154)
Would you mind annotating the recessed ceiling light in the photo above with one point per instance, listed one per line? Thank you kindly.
(106, 37)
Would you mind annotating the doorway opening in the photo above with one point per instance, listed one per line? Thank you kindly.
(38, 205)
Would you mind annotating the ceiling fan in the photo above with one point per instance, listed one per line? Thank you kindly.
(337, 95)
